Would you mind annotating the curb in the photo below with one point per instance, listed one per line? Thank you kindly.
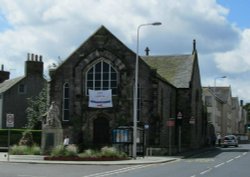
(146, 160)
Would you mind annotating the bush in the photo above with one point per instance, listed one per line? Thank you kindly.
(105, 152)
(90, 153)
(112, 152)
(25, 150)
(27, 139)
(61, 151)
(71, 150)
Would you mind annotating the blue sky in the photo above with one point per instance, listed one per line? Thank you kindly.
(55, 28)
(239, 12)
(4, 23)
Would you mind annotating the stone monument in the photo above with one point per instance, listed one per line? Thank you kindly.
(52, 134)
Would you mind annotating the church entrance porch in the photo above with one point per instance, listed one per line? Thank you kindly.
(101, 135)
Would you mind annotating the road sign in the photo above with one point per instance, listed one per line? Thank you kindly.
(9, 120)
(192, 121)
(179, 115)
(171, 123)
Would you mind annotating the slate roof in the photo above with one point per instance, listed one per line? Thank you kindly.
(175, 69)
(4, 86)
(223, 93)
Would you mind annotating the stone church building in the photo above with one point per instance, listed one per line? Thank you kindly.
(167, 86)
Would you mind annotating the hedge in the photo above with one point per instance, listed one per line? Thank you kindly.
(16, 135)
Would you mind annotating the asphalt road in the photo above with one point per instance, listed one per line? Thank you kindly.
(224, 162)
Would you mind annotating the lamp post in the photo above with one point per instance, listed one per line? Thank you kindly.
(221, 77)
(136, 87)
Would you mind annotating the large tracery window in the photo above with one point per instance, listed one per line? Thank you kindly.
(101, 76)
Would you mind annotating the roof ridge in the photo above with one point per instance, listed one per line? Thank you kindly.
(7, 84)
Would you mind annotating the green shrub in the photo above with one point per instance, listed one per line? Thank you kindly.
(58, 151)
(25, 150)
(112, 152)
(71, 150)
(36, 150)
(61, 151)
(104, 152)
(90, 153)
(27, 139)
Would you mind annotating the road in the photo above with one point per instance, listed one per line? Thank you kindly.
(224, 162)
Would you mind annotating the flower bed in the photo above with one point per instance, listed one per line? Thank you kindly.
(77, 158)
(69, 153)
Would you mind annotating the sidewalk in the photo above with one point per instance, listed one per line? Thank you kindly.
(35, 159)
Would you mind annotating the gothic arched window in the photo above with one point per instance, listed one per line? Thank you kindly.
(102, 76)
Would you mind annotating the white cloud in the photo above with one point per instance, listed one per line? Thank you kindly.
(55, 28)
(237, 60)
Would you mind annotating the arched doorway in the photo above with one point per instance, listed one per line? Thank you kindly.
(101, 132)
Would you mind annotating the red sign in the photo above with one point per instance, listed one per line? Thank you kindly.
(170, 123)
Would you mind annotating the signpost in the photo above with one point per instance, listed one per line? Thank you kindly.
(170, 124)
(9, 124)
(192, 120)
(146, 127)
(179, 117)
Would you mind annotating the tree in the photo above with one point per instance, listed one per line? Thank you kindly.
(247, 108)
(37, 106)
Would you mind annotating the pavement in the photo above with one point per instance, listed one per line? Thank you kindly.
(37, 159)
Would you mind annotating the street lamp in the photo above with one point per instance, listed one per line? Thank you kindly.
(136, 86)
(221, 77)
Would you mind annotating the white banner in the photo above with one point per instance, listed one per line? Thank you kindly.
(100, 98)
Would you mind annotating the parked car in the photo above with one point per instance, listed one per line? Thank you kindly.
(230, 140)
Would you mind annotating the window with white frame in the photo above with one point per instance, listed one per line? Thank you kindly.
(65, 113)
(102, 76)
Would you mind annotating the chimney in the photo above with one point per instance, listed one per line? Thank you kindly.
(147, 51)
(241, 103)
(33, 66)
(194, 47)
(4, 75)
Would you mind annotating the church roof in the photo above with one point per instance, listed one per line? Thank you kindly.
(6, 85)
(177, 69)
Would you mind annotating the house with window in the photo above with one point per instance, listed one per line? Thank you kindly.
(224, 112)
(14, 92)
(101, 72)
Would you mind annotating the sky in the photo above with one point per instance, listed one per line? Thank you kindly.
(55, 28)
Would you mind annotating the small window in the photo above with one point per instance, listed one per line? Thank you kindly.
(209, 117)
(22, 89)
(208, 101)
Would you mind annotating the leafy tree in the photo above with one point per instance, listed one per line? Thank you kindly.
(37, 106)
(247, 108)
